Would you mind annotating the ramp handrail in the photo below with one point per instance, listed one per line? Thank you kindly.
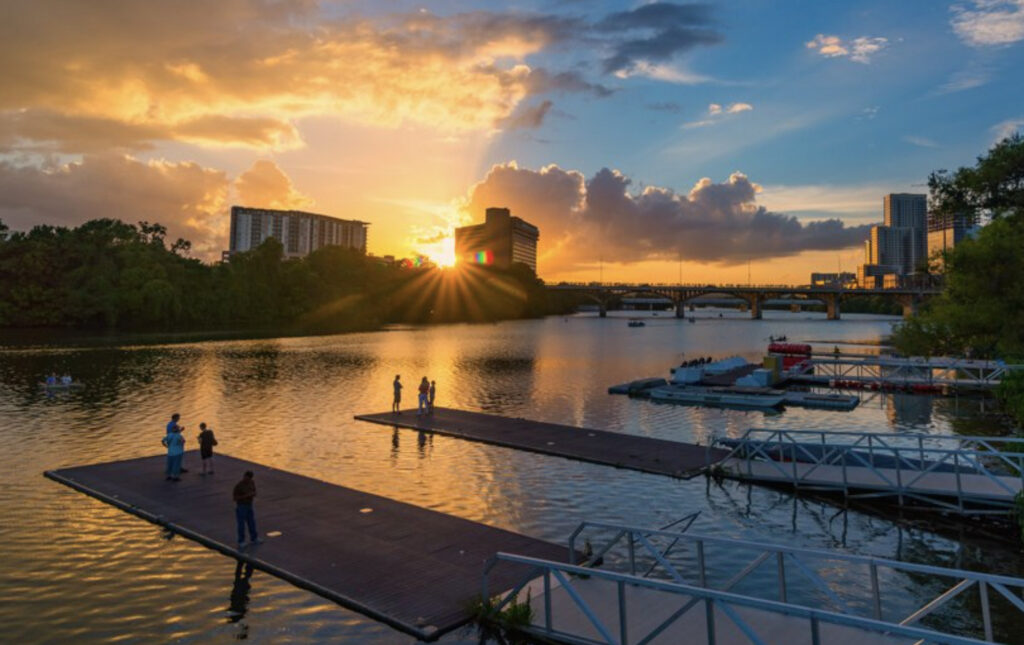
(906, 460)
(809, 564)
(712, 601)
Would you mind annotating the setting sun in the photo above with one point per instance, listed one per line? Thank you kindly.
(441, 252)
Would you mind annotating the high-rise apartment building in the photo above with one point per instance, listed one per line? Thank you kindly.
(501, 240)
(899, 247)
(908, 213)
(299, 232)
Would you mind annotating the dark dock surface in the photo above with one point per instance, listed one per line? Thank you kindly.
(658, 456)
(415, 569)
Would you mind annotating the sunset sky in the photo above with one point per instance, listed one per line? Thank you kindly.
(646, 140)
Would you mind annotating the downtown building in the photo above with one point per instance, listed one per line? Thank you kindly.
(945, 232)
(500, 241)
(299, 232)
(899, 247)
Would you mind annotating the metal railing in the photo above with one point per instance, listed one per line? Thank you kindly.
(615, 629)
(839, 582)
(983, 474)
(904, 371)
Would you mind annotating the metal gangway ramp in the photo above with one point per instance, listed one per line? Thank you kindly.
(959, 474)
(947, 372)
(676, 587)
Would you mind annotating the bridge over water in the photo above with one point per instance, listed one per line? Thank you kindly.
(755, 296)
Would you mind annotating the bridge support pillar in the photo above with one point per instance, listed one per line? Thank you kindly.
(832, 306)
(602, 310)
(680, 309)
(756, 303)
(795, 307)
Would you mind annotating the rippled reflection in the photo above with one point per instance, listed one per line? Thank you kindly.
(77, 570)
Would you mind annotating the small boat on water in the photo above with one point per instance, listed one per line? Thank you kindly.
(61, 386)
(724, 396)
(636, 322)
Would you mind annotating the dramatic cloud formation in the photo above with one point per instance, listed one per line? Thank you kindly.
(264, 185)
(190, 200)
(859, 49)
(582, 219)
(984, 23)
(86, 77)
(187, 198)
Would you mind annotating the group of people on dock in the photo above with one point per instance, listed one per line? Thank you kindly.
(174, 441)
(244, 491)
(53, 380)
(427, 391)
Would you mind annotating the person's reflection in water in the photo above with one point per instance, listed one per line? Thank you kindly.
(422, 439)
(240, 598)
(394, 444)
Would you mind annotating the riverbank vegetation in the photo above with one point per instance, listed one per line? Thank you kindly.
(980, 312)
(107, 274)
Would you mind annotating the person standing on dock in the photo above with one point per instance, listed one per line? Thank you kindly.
(424, 390)
(206, 443)
(172, 426)
(175, 449)
(396, 404)
(244, 494)
(430, 396)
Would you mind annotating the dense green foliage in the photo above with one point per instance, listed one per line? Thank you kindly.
(113, 275)
(981, 309)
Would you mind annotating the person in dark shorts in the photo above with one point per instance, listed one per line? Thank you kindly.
(430, 396)
(397, 403)
(243, 494)
(206, 443)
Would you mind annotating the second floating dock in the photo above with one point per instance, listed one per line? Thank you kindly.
(646, 454)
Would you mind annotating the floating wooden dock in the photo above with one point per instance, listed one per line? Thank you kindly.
(415, 569)
(646, 454)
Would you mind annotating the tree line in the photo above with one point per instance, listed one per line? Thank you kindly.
(109, 274)
(980, 312)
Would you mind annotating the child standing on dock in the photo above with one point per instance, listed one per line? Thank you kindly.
(430, 396)
(206, 443)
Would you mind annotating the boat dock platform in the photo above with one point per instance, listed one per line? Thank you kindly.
(415, 569)
(634, 452)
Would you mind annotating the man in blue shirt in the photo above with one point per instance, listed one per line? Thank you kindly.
(172, 426)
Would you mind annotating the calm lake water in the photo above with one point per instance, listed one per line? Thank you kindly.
(75, 569)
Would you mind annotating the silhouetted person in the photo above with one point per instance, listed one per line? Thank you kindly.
(244, 494)
(397, 403)
(206, 443)
(430, 396)
(424, 392)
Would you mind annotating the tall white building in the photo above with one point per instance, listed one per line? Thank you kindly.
(299, 232)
